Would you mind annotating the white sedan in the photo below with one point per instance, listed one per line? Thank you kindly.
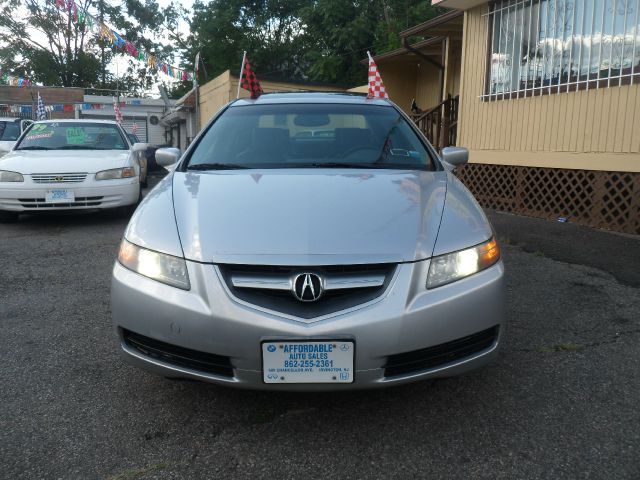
(70, 165)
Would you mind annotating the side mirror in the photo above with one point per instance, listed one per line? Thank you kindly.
(136, 147)
(455, 156)
(24, 124)
(165, 157)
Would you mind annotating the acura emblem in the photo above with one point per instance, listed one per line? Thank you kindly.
(307, 287)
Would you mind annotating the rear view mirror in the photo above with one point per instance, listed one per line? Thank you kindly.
(165, 157)
(455, 156)
(307, 120)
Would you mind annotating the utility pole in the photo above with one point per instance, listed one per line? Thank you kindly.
(104, 67)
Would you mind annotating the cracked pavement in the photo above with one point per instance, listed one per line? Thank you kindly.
(560, 402)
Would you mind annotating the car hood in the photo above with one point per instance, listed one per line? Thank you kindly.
(6, 145)
(59, 161)
(308, 217)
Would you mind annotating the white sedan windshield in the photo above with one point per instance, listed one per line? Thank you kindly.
(73, 136)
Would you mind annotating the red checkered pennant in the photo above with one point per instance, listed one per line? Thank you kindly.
(376, 86)
(116, 109)
(249, 81)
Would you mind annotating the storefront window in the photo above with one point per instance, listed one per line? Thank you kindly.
(549, 46)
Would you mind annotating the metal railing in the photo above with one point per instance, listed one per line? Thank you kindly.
(440, 123)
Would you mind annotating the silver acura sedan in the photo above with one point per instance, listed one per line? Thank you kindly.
(309, 241)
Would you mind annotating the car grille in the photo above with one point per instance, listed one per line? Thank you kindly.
(37, 203)
(179, 356)
(351, 285)
(59, 178)
(432, 357)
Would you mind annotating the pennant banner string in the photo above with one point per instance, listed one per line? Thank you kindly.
(120, 43)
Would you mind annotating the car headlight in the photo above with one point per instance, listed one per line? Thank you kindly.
(454, 266)
(158, 266)
(10, 176)
(114, 173)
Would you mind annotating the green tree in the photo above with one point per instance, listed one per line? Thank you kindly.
(269, 30)
(321, 40)
(63, 47)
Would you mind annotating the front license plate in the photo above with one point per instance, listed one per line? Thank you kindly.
(308, 362)
(59, 196)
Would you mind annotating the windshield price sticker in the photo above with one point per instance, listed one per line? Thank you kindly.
(39, 130)
(76, 136)
(308, 362)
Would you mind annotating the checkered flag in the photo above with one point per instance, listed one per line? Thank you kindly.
(116, 109)
(249, 81)
(376, 86)
(41, 111)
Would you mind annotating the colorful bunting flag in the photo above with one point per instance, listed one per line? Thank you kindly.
(82, 17)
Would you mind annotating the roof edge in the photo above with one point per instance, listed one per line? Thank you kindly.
(434, 22)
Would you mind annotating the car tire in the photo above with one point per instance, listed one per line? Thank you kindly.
(9, 217)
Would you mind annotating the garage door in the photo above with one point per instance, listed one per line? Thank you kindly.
(141, 133)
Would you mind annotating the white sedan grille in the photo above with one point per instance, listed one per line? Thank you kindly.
(59, 178)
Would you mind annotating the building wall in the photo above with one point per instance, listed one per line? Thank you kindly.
(454, 72)
(136, 110)
(589, 129)
(23, 96)
(360, 89)
(221, 90)
(400, 83)
(427, 90)
(214, 95)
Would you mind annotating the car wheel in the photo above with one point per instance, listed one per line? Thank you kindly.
(9, 217)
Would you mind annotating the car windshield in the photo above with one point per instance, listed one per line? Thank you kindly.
(9, 131)
(73, 136)
(310, 136)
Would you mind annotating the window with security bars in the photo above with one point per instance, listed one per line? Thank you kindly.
(552, 46)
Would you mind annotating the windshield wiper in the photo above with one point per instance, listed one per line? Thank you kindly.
(216, 166)
(80, 147)
(34, 147)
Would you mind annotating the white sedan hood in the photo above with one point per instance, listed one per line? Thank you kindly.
(5, 146)
(28, 162)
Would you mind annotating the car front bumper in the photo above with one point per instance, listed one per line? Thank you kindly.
(90, 194)
(405, 318)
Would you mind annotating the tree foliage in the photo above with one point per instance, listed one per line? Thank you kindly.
(47, 44)
(321, 40)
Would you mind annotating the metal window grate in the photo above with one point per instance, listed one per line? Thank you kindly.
(552, 46)
(609, 200)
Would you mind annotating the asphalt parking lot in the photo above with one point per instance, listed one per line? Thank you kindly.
(562, 401)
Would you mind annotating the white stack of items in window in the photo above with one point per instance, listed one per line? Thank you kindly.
(554, 46)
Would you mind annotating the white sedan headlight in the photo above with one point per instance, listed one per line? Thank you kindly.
(10, 176)
(454, 266)
(115, 173)
(158, 266)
